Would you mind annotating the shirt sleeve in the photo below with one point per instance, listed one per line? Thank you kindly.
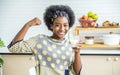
(24, 46)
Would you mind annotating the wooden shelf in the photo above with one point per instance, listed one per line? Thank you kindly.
(99, 45)
(77, 28)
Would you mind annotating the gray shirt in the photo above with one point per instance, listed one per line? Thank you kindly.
(52, 56)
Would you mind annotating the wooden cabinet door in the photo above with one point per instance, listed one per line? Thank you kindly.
(116, 65)
(17, 64)
(96, 65)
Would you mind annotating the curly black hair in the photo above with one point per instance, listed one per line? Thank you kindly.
(55, 11)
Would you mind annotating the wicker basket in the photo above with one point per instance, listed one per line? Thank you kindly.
(87, 23)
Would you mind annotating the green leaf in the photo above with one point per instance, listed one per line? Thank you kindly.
(1, 61)
(2, 43)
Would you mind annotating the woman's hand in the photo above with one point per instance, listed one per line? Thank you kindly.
(20, 35)
(34, 22)
(77, 48)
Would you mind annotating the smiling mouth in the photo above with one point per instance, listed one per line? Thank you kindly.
(61, 33)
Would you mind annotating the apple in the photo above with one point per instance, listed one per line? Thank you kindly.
(90, 14)
(85, 24)
(95, 16)
(84, 17)
(90, 19)
(92, 24)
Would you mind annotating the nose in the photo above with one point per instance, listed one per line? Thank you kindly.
(62, 28)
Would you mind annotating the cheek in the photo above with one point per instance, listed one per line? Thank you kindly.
(55, 29)
(67, 28)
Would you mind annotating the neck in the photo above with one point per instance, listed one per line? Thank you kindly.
(54, 37)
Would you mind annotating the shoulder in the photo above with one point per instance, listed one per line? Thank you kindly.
(38, 36)
(42, 35)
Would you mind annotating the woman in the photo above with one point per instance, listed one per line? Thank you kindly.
(54, 54)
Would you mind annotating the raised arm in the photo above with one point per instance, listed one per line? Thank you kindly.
(77, 62)
(20, 35)
(77, 65)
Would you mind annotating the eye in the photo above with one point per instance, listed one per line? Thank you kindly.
(66, 25)
(57, 25)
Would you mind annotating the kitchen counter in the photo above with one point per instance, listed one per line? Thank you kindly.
(83, 52)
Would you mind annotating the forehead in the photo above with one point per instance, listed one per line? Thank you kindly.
(61, 19)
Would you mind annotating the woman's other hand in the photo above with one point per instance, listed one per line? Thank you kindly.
(34, 22)
(77, 48)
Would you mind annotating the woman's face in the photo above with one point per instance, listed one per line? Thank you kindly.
(60, 27)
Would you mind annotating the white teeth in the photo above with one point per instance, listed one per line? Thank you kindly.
(61, 33)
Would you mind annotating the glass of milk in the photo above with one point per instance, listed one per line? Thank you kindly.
(74, 40)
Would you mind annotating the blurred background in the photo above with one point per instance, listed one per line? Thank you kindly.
(15, 13)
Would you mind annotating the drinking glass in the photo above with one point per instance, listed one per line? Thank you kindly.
(74, 40)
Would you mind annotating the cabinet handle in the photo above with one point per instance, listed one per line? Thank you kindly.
(108, 59)
(116, 59)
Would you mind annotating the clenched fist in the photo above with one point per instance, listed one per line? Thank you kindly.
(34, 22)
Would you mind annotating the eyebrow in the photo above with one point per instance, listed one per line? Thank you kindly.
(57, 23)
(60, 23)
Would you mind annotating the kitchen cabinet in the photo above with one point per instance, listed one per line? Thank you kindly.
(96, 44)
(116, 66)
(91, 64)
(100, 65)
(18, 64)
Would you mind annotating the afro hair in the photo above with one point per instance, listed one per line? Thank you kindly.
(51, 12)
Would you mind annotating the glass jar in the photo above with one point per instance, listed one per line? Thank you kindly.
(89, 40)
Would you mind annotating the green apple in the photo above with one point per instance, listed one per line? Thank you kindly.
(90, 14)
(95, 16)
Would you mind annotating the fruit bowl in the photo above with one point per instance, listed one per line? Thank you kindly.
(87, 23)
(88, 20)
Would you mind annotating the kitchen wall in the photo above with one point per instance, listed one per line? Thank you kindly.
(15, 13)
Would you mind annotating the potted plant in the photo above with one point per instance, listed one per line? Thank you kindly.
(2, 43)
(1, 61)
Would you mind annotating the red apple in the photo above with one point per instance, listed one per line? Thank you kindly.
(90, 19)
(92, 24)
(84, 24)
(84, 17)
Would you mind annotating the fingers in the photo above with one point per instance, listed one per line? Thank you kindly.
(77, 49)
(34, 22)
(37, 21)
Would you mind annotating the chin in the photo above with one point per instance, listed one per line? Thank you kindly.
(61, 37)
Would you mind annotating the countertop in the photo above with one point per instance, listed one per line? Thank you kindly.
(83, 52)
